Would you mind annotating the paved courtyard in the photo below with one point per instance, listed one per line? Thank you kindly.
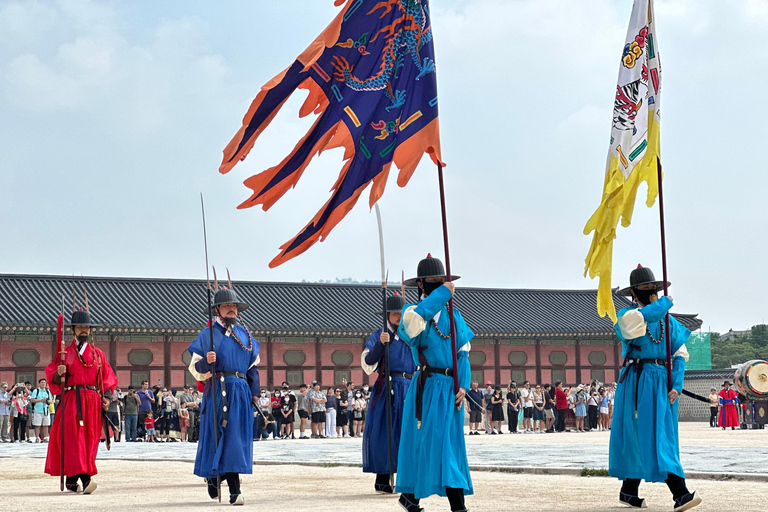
(304, 476)
(703, 450)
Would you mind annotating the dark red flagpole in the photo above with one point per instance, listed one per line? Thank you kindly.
(664, 274)
(448, 277)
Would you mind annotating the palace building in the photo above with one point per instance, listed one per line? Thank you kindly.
(308, 331)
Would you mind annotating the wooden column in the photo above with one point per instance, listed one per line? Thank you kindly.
(496, 362)
(167, 361)
(318, 361)
(537, 347)
(578, 362)
(113, 351)
(270, 364)
(616, 356)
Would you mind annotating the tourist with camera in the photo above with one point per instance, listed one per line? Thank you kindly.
(131, 404)
(42, 398)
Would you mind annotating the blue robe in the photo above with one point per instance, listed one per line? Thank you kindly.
(375, 444)
(647, 447)
(235, 450)
(434, 457)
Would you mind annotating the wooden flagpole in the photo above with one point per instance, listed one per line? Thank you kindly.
(448, 277)
(664, 274)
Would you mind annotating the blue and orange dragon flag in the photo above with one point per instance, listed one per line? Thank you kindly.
(371, 78)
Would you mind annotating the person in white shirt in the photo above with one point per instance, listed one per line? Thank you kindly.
(526, 395)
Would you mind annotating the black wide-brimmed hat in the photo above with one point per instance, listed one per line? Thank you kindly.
(726, 383)
(395, 304)
(228, 296)
(639, 276)
(81, 317)
(428, 267)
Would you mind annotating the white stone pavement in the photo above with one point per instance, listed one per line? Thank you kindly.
(702, 450)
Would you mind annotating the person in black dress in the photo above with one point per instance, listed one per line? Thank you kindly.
(498, 410)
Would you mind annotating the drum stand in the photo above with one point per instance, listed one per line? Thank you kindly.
(752, 417)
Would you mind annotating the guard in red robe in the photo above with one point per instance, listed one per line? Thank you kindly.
(86, 391)
(729, 415)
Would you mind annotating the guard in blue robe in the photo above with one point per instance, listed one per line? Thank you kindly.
(235, 384)
(644, 433)
(401, 368)
(433, 458)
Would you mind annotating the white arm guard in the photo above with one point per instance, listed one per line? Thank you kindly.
(632, 324)
(413, 323)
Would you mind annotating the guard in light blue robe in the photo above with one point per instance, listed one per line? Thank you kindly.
(235, 384)
(644, 441)
(433, 457)
(401, 367)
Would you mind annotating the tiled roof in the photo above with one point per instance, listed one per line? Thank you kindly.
(294, 308)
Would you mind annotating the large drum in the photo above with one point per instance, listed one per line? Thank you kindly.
(752, 379)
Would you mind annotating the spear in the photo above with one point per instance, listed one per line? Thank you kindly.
(62, 353)
(213, 348)
(387, 376)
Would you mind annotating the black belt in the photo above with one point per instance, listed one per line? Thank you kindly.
(638, 364)
(77, 398)
(426, 372)
(224, 408)
(660, 362)
(404, 375)
(230, 374)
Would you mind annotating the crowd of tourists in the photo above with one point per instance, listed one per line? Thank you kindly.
(164, 415)
(540, 408)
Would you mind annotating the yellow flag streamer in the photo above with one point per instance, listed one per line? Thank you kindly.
(634, 151)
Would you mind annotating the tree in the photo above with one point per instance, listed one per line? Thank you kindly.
(759, 335)
(742, 349)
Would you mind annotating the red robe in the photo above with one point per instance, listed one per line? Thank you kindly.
(80, 443)
(729, 416)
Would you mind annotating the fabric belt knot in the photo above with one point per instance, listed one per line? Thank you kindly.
(426, 372)
(78, 400)
(221, 376)
(380, 380)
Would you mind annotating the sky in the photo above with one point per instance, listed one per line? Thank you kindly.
(113, 116)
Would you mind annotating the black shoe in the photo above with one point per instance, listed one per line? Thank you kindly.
(212, 491)
(236, 499)
(632, 501)
(383, 488)
(408, 505)
(687, 502)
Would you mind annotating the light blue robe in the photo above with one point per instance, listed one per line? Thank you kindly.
(235, 449)
(647, 447)
(435, 456)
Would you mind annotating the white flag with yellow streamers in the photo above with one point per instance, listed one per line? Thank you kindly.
(634, 147)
